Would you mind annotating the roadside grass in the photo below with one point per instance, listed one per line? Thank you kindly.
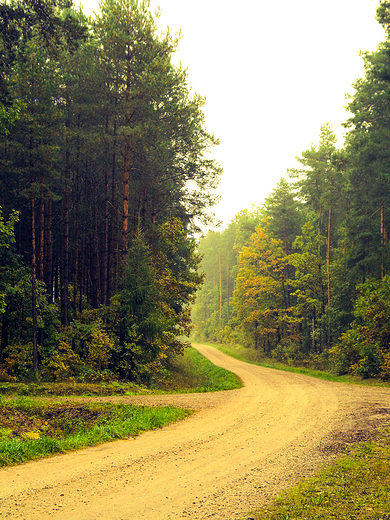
(31, 429)
(195, 373)
(250, 355)
(354, 487)
(191, 372)
(71, 388)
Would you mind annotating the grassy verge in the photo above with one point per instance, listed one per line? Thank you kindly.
(354, 487)
(255, 357)
(189, 373)
(70, 388)
(31, 429)
(194, 373)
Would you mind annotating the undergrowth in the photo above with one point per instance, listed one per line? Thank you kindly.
(257, 357)
(191, 372)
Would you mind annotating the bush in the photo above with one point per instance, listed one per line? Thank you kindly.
(364, 349)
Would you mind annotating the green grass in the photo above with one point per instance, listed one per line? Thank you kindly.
(189, 373)
(70, 388)
(194, 373)
(355, 487)
(31, 429)
(255, 357)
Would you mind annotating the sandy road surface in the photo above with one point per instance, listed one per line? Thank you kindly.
(239, 450)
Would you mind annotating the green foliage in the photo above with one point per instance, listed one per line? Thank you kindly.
(260, 294)
(7, 237)
(212, 314)
(308, 285)
(106, 166)
(9, 115)
(364, 348)
(153, 309)
(285, 215)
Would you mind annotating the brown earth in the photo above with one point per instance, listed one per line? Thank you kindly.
(240, 450)
(54, 421)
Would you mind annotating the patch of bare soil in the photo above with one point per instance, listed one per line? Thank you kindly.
(240, 450)
(52, 422)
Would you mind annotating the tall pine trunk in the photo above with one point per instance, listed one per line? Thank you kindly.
(33, 262)
(65, 248)
(383, 237)
(77, 230)
(41, 256)
(49, 246)
(328, 272)
(104, 256)
(112, 259)
(126, 170)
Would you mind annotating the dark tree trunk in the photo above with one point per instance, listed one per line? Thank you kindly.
(104, 262)
(41, 256)
(95, 254)
(65, 254)
(33, 262)
(48, 275)
(126, 169)
(34, 284)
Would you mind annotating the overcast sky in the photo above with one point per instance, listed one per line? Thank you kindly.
(272, 72)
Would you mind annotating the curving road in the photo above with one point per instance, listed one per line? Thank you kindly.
(240, 449)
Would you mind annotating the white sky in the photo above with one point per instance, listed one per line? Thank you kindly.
(272, 73)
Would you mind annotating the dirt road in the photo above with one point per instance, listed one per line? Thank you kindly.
(240, 449)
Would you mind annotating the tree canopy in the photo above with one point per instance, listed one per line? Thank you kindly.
(103, 156)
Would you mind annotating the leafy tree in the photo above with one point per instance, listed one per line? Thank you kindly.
(285, 214)
(52, 21)
(321, 185)
(309, 286)
(365, 348)
(368, 157)
(260, 293)
(107, 156)
(7, 237)
(213, 315)
(154, 305)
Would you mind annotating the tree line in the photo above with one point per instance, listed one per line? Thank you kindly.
(305, 277)
(103, 183)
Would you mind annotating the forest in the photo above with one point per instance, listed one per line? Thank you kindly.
(104, 183)
(305, 278)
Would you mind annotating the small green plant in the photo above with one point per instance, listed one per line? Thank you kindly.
(5, 433)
